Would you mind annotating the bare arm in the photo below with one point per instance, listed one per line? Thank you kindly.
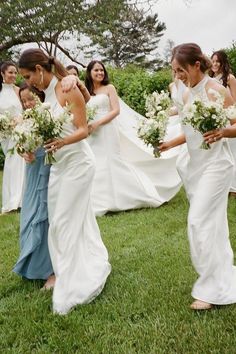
(232, 87)
(75, 99)
(172, 143)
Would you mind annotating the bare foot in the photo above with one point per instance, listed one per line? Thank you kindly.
(200, 305)
(49, 283)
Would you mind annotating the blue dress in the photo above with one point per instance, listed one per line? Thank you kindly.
(34, 260)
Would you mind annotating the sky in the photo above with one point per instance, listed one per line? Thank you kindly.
(209, 23)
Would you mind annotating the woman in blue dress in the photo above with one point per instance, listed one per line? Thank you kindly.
(34, 260)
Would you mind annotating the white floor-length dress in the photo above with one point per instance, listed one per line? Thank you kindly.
(232, 143)
(14, 166)
(207, 178)
(79, 257)
(128, 176)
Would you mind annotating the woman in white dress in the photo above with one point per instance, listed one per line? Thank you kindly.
(207, 178)
(220, 70)
(79, 257)
(13, 173)
(127, 174)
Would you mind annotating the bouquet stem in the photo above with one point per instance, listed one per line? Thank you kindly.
(49, 158)
(156, 151)
(205, 146)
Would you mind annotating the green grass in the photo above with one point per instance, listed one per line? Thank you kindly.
(144, 307)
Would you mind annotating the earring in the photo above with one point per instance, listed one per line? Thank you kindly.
(41, 78)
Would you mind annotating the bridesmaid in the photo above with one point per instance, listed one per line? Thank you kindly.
(79, 257)
(118, 184)
(13, 173)
(207, 177)
(220, 70)
(34, 260)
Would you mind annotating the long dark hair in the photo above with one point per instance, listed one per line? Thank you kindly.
(25, 86)
(4, 66)
(188, 54)
(88, 77)
(31, 57)
(224, 66)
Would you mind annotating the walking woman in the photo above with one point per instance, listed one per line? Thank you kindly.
(207, 178)
(79, 257)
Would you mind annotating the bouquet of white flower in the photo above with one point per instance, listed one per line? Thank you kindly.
(90, 113)
(205, 115)
(38, 126)
(26, 137)
(152, 128)
(157, 102)
(6, 125)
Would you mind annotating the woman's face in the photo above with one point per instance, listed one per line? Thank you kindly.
(97, 73)
(9, 76)
(27, 99)
(33, 78)
(72, 71)
(216, 66)
(179, 72)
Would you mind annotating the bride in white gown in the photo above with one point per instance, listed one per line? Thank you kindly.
(127, 175)
(13, 173)
(207, 177)
(79, 257)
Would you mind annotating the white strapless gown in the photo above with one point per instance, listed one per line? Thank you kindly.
(14, 165)
(127, 175)
(79, 257)
(232, 143)
(207, 178)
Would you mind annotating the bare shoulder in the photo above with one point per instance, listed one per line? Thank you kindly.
(69, 96)
(171, 86)
(16, 89)
(111, 88)
(231, 79)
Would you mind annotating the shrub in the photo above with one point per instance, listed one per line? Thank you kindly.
(231, 52)
(133, 84)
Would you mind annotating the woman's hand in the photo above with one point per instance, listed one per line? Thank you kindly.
(69, 82)
(54, 145)
(213, 135)
(165, 146)
(29, 157)
(92, 127)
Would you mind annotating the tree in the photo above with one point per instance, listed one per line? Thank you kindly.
(45, 22)
(126, 34)
(168, 51)
(53, 24)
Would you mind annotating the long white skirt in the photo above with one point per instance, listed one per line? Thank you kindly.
(13, 178)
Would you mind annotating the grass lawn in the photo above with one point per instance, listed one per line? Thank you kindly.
(144, 307)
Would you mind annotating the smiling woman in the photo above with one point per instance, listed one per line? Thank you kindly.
(13, 173)
(207, 177)
(79, 257)
(118, 184)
